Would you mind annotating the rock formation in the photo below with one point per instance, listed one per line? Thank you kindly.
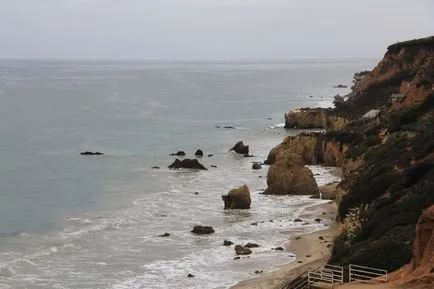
(240, 148)
(241, 250)
(87, 153)
(187, 164)
(238, 198)
(199, 153)
(178, 153)
(288, 175)
(202, 230)
(312, 118)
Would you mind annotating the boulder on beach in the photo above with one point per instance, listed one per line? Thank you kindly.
(199, 153)
(202, 230)
(187, 164)
(240, 148)
(178, 153)
(251, 245)
(87, 153)
(238, 198)
(227, 243)
(256, 166)
(241, 250)
(287, 176)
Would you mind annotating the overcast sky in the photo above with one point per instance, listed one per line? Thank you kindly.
(209, 29)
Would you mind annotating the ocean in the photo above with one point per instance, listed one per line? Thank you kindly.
(73, 221)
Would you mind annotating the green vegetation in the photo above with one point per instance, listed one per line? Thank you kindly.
(428, 41)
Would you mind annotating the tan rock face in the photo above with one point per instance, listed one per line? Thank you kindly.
(309, 118)
(289, 176)
(238, 198)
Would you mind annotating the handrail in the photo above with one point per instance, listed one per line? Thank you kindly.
(367, 274)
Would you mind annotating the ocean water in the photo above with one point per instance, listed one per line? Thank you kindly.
(72, 221)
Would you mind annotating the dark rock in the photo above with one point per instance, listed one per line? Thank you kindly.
(317, 220)
(308, 255)
(190, 276)
(254, 224)
(256, 166)
(340, 86)
(196, 193)
(87, 153)
(305, 223)
(210, 155)
(258, 272)
(240, 148)
(199, 153)
(278, 249)
(229, 127)
(187, 164)
(164, 235)
(213, 166)
(329, 245)
(248, 156)
(227, 243)
(260, 177)
(179, 153)
(321, 237)
(299, 261)
(202, 230)
(271, 221)
(240, 250)
(237, 258)
(251, 245)
(155, 167)
(297, 238)
(298, 220)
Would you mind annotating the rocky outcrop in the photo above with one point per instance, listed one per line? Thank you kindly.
(289, 176)
(240, 148)
(314, 148)
(199, 153)
(202, 230)
(241, 250)
(256, 166)
(238, 198)
(187, 164)
(311, 118)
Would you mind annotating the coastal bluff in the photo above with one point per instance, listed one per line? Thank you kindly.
(382, 136)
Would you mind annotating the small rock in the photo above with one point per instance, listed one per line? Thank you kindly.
(278, 249)
(241, 250)
(321, 237)
(155, 167)
(254, 224)
(305, 223)
(256, 166)
(227, 243)
(298, 220)
(240, 148)
(299, 261)
(164, 235)
(178, 153)
(329, 245)
(213, 166)
(190, 276)
(271, 221)
(260, 177)
(87, 153)
(196, 193)
(210, 155)
(199, 153)
(308, 256)
(310, 96)
(251, 245)
(229, 127)
(317, 220)
(202, 230)
(237, 258)
(258, 272)
(297, 238)
(324, 213)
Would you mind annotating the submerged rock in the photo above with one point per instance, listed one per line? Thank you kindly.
(199, 153)
(241, 250)
(202, 230)
(187, 164)
(238, 198)
(240, 148)
(179, 154)
(227, 243)
(251, 245)
(256, 166)
(87, 153)
(164, 235)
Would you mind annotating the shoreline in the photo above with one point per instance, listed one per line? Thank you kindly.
(311, 249)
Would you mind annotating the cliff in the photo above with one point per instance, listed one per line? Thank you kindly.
(387, 159)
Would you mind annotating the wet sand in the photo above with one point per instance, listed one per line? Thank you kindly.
(311, 250)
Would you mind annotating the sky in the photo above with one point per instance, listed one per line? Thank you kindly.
(207, 29)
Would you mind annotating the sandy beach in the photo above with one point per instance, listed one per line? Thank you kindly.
(311, 250)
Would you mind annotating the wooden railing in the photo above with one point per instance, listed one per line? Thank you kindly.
(367, 274)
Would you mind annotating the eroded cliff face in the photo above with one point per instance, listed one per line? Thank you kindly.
(314, 148)
(311, 118)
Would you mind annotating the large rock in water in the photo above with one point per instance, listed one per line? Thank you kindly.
(238, 198)
(241, 250)
(240, 148)
(187, 164)
(289, 176)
